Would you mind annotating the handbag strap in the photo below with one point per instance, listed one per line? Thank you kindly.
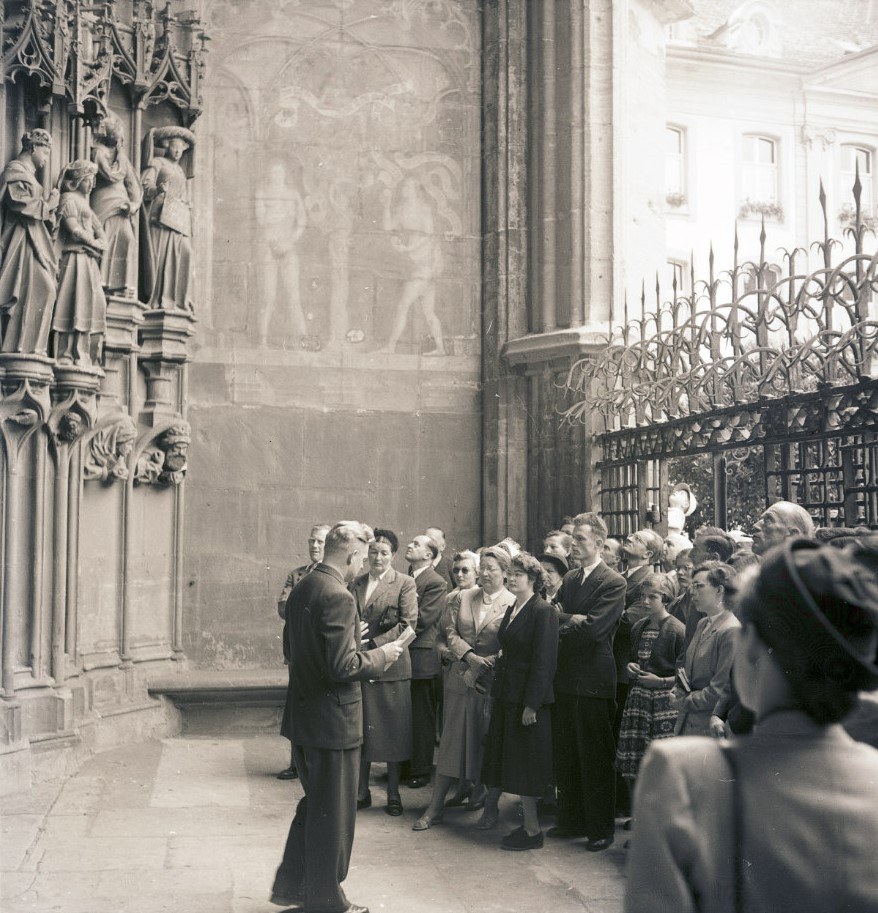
(728, 752)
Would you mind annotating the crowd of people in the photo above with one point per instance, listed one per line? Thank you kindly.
(563, 678)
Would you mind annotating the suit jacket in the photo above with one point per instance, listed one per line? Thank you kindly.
(527, 664)
(708, 664)
(392, 608)
(590, 616)
(464, 632)
(443, 569)
(326, 666)
(809, 822)
(432, 590)
(293, 578)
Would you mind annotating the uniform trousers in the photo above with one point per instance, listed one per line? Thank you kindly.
(318, 848)
(585, 753)
(425, 702)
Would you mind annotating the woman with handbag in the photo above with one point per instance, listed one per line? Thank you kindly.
(471, 636)
(387, 603)
(784, 819)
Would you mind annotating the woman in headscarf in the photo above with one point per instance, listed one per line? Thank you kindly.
(786, 818)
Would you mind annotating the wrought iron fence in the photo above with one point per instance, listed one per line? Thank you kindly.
(784, 360)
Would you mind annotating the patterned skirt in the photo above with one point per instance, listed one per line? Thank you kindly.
(648, 715)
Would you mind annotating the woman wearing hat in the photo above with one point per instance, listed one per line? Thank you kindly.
(167, 273)
(786, 818)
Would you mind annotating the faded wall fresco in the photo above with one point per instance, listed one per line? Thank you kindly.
(345, 165)
(337, 372)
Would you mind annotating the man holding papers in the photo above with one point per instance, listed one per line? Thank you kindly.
(327, 668)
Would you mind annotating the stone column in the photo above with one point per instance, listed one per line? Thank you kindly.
(24, 382)
(557, 107)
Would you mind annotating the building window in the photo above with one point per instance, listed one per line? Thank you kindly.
(678, 271)
(759, 177)
(857, 160)
(675, 166)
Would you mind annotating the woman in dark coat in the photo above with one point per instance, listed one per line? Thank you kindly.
(518, 753)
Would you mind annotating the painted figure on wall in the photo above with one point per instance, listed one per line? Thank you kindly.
(280, 215)
(413, 227)
(80, 319)
(166, 233)
(115, 200)
(27, 255)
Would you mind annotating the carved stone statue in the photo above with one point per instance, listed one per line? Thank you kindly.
(174, 443)
(80, 319)
(107, 458)
(166, 277)
(115, 200)
(27, 256)
(165, 462)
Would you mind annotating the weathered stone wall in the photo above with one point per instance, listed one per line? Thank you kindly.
(340, 154)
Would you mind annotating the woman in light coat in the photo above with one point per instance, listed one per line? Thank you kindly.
(784, 819)
(471, 636)
(709, 656)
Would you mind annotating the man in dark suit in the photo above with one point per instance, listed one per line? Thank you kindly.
(327, 668)
(440, 563)
(432, 590)
(592, 599)
(316, 543)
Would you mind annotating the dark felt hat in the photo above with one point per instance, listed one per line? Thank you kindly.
(560, 564)
(818, 610)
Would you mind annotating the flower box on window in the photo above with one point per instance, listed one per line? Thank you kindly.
(768, 208)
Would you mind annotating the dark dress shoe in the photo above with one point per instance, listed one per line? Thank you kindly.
(289, 774)
(595, 846)
(365, 802)
(520, 840)
(563, 832)
(476, 806)
(459, 799)
(417, 782)
(393, 808)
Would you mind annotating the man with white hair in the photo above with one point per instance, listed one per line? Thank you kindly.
(327, 667)
(782, 521)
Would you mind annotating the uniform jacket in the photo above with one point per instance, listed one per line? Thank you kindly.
(809, 823)
(708, 664)
(432, 590)
(463, 633)
(589, 618)
(529, 645)
(326, 666)
(392, 608)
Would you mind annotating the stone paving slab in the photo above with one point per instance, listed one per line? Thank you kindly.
(198, 826)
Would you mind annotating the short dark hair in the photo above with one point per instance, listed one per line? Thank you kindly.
(718, 574)
(526, 562)
(433, 547)
(389, 537)
(718, 544)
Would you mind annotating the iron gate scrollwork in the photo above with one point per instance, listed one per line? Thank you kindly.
(781, 362)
